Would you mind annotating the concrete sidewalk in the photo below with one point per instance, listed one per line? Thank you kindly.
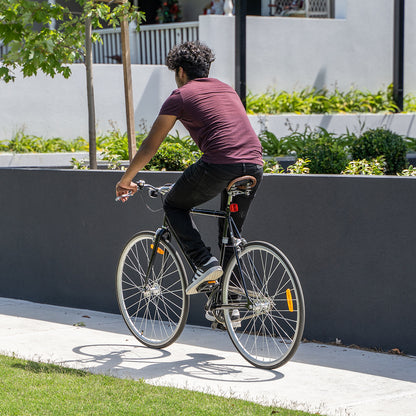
(326, 379)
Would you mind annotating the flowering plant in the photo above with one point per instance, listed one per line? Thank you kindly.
(169, 11)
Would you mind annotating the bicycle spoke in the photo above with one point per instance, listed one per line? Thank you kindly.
(272, 327)
(155, 308)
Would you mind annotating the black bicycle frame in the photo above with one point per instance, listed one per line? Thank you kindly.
(230, 232)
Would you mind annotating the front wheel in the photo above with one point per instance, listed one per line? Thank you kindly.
(267, 326)
(154, 310)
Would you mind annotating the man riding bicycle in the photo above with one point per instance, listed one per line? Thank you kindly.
(217, 121)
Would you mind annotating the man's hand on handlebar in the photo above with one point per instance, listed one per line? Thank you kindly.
(124, 191)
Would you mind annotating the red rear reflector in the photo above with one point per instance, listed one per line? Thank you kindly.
(234, 208)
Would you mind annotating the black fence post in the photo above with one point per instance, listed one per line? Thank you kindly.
(240, 49)
(398, 53)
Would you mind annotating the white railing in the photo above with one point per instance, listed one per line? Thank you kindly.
(148, 46)
(308, 8)
(318, 8)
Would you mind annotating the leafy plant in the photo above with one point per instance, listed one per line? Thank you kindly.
(380, 142)
(410, 144)
(410, 171)
(79, 164)
(272, 166)
(310, 101)
(409, 104)
(366, 167)
(272, 146)
(173, 157)
(300, 167)
(327, 154)
(185, 141)
(169, 11)
(33, 45)
(24, 143)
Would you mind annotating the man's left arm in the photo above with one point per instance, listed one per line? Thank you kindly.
(160, 129)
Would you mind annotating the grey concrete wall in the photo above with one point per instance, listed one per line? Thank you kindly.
(351, 240)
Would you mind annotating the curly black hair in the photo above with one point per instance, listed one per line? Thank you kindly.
(194, 57)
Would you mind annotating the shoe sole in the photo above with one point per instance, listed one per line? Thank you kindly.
(221, 327)
(236, 324)
(212, 274)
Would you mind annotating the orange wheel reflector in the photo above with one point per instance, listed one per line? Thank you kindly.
(289, 300)
(211, 282)
(159, 250)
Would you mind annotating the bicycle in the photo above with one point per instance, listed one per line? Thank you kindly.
(259, 299)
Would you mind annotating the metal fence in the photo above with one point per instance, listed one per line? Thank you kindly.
(148, 46)
(307, 8)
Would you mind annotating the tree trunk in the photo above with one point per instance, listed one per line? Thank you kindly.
(90, 96)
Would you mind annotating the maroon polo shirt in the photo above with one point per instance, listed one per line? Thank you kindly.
(213, 114)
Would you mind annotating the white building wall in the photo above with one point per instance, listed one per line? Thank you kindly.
(283, 53)
(57, 107)
(296, 53)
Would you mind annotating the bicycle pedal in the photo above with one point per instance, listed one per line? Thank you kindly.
(207, 287)
(217, 325)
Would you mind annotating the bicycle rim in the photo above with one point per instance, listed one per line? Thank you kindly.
(272, 319)
(155, 312)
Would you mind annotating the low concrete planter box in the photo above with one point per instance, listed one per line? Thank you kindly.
(283, 124)
(351, 240)
(40, 159)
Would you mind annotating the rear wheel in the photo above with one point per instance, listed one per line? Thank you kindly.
(156, 311)
(267, 327)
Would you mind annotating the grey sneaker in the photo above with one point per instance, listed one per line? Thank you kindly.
(210, 271)
(235, 318)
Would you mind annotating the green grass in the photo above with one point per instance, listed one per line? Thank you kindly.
(31, 388)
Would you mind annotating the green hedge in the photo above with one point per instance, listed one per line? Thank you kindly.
(318, 151)
(313, 101)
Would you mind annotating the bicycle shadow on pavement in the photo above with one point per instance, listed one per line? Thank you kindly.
(336, 357)
(139, 362)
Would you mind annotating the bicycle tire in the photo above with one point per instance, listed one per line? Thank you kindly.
(271, 329)
(156, 313)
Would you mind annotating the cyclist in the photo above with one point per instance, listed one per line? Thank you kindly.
(216, 120)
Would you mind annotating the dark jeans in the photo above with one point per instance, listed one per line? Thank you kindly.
(200, 183)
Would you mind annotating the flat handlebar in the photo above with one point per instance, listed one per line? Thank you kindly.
(153, 191)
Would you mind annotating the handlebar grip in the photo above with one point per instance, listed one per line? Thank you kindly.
(127, 195)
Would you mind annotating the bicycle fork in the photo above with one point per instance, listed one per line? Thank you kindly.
(153, 289)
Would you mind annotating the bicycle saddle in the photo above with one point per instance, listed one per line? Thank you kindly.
(243, 183)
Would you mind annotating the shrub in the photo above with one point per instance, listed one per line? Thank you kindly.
(272, 146)
(366, 167)
(310, 101)
(410, 144)
(380, 142)
(300, 167)
(410, 171)
(326, 152)
(272, 166)
(115, 144)
(173, 157)
(26, 143)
